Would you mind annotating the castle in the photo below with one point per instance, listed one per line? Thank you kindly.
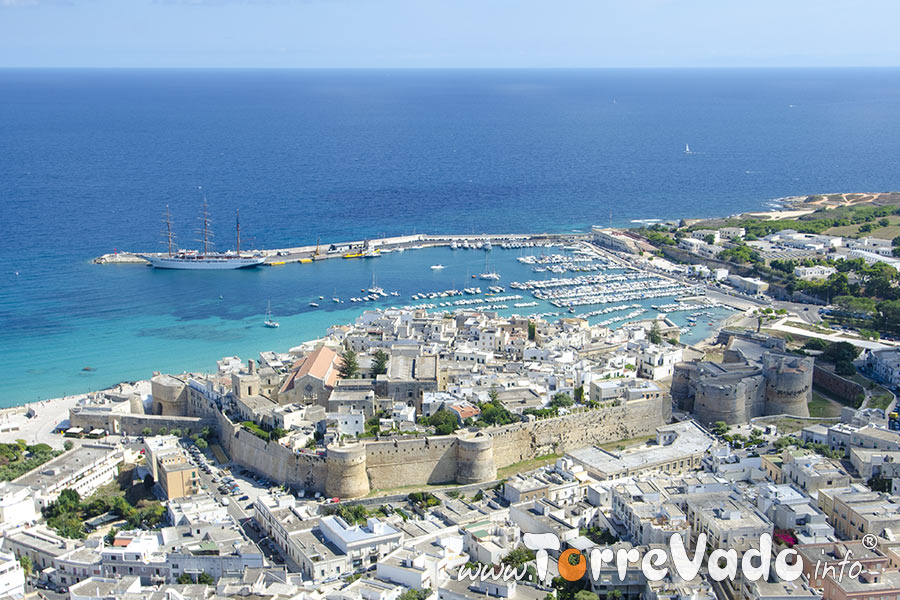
(756, 378)
(355, 468)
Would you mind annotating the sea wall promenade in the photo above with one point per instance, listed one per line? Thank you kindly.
(326, 250)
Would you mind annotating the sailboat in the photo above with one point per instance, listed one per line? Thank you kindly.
(207, 259)
(269, 322)
(375, 289)
(687, 149)
(488, 273)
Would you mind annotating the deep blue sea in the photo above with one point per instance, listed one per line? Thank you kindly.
(89, 159)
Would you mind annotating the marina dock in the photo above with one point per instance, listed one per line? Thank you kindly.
(326, 250)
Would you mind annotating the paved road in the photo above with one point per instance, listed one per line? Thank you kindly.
(831, 337)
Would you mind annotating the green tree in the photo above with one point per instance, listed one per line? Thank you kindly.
(380, 362)
(110, 537)
(561, 400)
(444, 422)
(720, 428)
(518, 557)
(201, 443)
(26, 565)
(163, 431)
(845, 368)
(276, 434)
(709, 239)
(579, 394)
(68, 445)
(175, 432)
(655, 335)
(494, 394)
(815, 344)
(532, 331)
(589, 595)
(146, 431)
(840, 352)
(185, 579)
(69, 500)
(205, 579)
(349, 364)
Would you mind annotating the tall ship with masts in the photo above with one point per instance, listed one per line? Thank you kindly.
(207, 259)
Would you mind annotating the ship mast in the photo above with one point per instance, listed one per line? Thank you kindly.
(238, 231)
(169, 236)
(204, 218)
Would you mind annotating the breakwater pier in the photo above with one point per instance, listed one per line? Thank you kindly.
(356, 249)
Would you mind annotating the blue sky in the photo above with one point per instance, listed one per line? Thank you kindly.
(448, 33)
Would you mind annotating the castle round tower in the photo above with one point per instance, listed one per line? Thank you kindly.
(346, 471)
(475, 459)
(169, 396)
(788, 384)
(720, 400)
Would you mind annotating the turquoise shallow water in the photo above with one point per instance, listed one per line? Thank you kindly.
(120, 346)
(89, 159)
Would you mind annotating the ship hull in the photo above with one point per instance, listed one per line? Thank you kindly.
(203, 264)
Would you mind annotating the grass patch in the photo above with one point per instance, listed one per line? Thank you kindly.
(716, 356)
(885, 233)
(809, 327)
(411, 488)
(789, 425)
(627, 443)
(821, 406)
(527, 465)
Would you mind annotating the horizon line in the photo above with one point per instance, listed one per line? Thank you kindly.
(441, 68)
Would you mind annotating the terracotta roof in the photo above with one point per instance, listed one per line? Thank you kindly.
(465, 412)
(319, 364)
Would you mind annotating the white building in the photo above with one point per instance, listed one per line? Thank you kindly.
(12, 577)
(84, 469)
(752, 285)
(17, 505)
(732, 233)
(885, 365)
(814, 272)
(658, 361)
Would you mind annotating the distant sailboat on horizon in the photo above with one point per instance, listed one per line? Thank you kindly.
(687, 149)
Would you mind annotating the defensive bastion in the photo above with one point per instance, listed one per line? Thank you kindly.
(356, 468)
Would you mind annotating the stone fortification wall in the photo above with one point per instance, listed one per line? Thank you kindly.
(849, 391)
(789, 381)
(306, 470)
(523, 441)
(394, 463)
(353, 470)
(781, 385)
(134, 424)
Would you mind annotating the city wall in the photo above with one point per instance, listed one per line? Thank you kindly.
(849, 391)
(356, 468)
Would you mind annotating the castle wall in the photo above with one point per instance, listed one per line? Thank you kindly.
(789, 382)
(523, 441)
(782, 386)
(276, 462)
(134, 424)
(849, 391)
(353, 470)
(395, 463)
(720, 400)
